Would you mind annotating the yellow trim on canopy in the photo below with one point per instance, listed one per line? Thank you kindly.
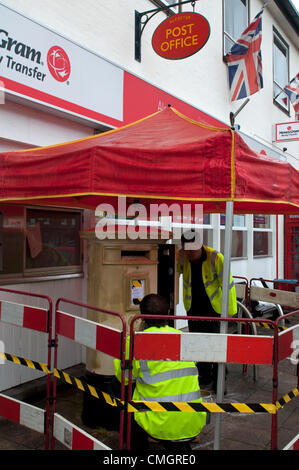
(200, 124)
(145, 196)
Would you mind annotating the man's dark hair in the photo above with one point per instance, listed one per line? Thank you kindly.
(154, 304)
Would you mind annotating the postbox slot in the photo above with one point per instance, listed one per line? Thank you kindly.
(134, 253)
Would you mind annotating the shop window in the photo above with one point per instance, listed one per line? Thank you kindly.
(235, 21)
(239, 236)
(39, 241)
(280, 71)
(52, 239)
(262, 235)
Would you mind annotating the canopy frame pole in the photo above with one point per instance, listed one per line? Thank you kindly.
(224, 312)
(232, 115)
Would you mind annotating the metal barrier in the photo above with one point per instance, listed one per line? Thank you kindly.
(22, 413)
(93, 335)
(275, 296)
(201, 347)
(34, 318)
(221, 348)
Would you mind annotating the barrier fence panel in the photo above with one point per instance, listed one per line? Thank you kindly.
(93, 335)
(73, 437)
(285, 344)
(36, 319)
(201, 347)
(23, 413)
(276, 296)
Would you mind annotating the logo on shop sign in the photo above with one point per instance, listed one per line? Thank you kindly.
(181, 35)
(58, 64)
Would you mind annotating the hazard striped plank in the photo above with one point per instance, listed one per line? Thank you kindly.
(25, 316)
(189, 407)
(22, 413)
(73, 437)
(88, 333)
(204, 347)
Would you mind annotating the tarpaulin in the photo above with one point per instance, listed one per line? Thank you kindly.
(164, 157)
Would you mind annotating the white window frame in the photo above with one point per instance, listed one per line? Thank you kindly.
(242, 228)
(278, 38)
(269, 231)
(225, 33)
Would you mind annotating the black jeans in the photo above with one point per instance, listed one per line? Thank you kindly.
(207, 371)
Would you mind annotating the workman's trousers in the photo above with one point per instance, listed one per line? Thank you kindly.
(139, 441)
(207, 371)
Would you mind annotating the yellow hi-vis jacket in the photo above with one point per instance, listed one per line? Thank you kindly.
(166, 381)
(212, 271)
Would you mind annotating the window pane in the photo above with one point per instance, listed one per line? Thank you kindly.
(238, 220)
(207, 237)
(235, 20)
(239, 243)
(170, 2)
(261, 221)
(280, 59)
(52, 239)
(262, 243)
(207, 219)
(280, 71)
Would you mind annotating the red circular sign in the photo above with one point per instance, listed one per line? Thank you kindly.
(58, 64)
(181, 35)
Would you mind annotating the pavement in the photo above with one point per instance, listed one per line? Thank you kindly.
(243, 432)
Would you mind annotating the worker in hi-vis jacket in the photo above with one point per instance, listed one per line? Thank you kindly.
(202, 269)
(168, 381)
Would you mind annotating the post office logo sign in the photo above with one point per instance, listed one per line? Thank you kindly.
(181, 35)
(58, 63)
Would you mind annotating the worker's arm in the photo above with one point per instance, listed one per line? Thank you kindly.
(180, 261)
(232, 299)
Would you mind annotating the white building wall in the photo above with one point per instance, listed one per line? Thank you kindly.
(107, 28)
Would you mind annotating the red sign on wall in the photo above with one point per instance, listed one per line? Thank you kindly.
(181, 35)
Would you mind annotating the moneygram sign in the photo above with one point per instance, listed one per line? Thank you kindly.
(42, 66)
(181, 35)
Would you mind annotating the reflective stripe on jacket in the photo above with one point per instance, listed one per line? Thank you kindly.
(212, 272)
(164, 381)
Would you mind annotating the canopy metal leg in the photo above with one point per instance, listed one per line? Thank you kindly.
(224, 312)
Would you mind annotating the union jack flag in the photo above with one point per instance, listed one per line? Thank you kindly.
(292, 91)
(245, 61)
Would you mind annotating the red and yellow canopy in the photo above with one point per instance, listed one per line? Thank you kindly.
(165, 157)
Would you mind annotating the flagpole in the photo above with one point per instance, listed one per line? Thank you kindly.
(233, 115)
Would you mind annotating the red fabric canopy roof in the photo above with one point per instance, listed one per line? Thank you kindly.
(165, 157)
